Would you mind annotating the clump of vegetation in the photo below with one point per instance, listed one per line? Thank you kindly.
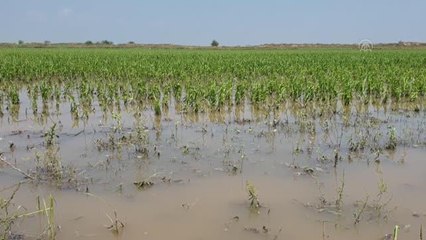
(48, 163)
(51, 136)
(157, 108)
(392, 141)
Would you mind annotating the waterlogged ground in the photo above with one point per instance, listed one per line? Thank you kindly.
(320, 171)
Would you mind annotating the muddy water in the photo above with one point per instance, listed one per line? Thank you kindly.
(199, 166)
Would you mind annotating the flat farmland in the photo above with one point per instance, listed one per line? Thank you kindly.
(225, 143)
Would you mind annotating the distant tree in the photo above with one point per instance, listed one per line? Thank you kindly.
(46, 42)
(88, 42)
(215, 43)
(106, 42)
(131, 42)
(20, 42)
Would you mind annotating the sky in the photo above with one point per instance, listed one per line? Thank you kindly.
(198, 22)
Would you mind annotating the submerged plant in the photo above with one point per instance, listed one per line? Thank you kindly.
(9, 217)
(116, 224)
(49, 211)
(360, 212)
(51, 135)
(253, 196)
(339, 200)
(48, 162)
(395, 232)
(392, 141)
(157, 108)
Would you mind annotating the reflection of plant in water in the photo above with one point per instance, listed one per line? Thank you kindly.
(339, 200)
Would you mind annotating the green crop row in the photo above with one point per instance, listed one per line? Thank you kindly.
(209, 78)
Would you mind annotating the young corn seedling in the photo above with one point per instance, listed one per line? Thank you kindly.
(49, 211)
(395, 232)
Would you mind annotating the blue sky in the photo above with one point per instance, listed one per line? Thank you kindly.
(198, 22)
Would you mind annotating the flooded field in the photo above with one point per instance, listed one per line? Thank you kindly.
(200, 144)
(301, 171)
